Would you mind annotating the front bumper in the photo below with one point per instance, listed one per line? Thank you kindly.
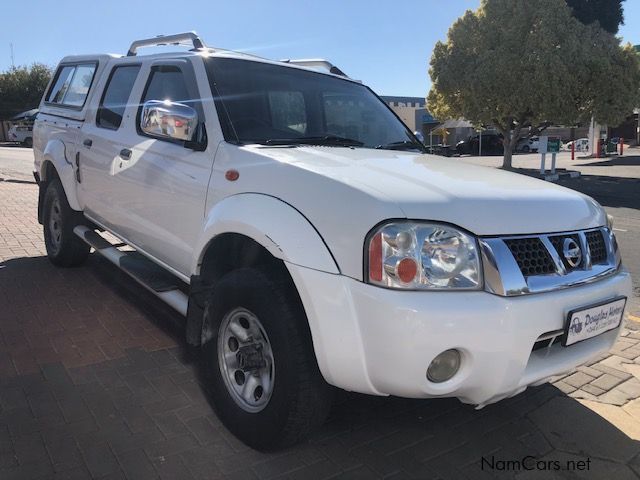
(378, 341)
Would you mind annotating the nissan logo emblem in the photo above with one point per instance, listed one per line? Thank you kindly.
(571, 252)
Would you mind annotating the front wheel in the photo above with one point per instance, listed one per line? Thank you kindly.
(64, 248)
(259, 362)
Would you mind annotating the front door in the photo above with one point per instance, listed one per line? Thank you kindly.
(155, 189)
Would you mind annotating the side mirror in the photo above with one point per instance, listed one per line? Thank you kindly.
(165, 119)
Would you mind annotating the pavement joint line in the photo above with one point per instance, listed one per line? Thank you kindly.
(634, 318)
(14, 180)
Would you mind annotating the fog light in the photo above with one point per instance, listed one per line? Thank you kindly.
(444, 366)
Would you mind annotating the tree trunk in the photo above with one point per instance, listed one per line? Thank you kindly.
(508, 149)
(508, 155)
(510, 139)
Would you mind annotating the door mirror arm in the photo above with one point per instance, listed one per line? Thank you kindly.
(199, 141)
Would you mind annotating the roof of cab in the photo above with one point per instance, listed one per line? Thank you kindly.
(200, 49)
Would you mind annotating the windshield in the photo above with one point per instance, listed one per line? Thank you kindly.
(277, 105)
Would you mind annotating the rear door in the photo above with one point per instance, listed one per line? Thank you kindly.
(154, 190)
(101, 142)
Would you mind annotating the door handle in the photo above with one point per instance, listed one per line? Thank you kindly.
(125, 153)
(87, 142)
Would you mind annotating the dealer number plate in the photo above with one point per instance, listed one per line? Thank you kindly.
(592, 321)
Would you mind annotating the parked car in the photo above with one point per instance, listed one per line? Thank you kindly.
(491, 145)
(309, 240)
(528, 144)
(582, 145)
(22, 134)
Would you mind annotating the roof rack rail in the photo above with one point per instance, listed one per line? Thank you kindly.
(177, 39)
(317, 62)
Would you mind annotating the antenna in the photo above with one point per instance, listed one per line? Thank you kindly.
(13, 64)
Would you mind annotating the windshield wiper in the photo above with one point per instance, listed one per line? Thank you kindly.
(402, 145)
(316, 140)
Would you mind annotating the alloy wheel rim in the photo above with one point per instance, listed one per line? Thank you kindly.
(55, 225)
(245, 360)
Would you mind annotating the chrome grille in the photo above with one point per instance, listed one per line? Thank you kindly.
(525, 264)
(557, 241)
(597, 247)
(531, 255)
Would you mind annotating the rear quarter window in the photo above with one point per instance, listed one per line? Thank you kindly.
(61, 84)
(71, 85)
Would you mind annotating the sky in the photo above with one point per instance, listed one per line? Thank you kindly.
(386, 44)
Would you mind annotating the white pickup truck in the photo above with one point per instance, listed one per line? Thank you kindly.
(311, 242)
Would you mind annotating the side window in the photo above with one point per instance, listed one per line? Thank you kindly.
(79, 86)
(288, 111)
(72, 84)
(166, 83)
(61, 84)
(115, 96)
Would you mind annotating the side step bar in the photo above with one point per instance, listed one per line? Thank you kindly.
(148, 274)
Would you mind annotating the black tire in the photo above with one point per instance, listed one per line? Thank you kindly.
(28, 142)
(64, 248)
(300, 398)
(526, 149)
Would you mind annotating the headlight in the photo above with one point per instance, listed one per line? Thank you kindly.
(422, 256)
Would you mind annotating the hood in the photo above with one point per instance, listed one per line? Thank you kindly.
(346, 192)
(483, 200)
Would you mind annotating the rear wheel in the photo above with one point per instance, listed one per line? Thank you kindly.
(526, 149)
(64, 248)
(28, 142)
(259, 361)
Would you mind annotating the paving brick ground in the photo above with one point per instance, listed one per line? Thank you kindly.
(96, 382)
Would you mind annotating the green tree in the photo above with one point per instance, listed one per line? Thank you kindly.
(608, 13)
(21, 88)
(517, 64)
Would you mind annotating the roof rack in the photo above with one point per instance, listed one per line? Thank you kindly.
(177, 39)
(317, 62)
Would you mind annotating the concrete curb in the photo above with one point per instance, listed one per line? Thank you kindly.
(551, 177)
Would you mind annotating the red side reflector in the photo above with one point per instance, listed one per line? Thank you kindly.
(232, 175)
(375, 258)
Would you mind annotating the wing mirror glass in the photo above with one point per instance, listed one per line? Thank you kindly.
(165, 119)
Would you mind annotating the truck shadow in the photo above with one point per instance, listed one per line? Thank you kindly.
(620, 161)
(144, 392)
(608, 191)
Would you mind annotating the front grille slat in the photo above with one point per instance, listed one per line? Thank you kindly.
(597, 247)
(534, 259)
(532, 256)
(526, 264)
(547, 340)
